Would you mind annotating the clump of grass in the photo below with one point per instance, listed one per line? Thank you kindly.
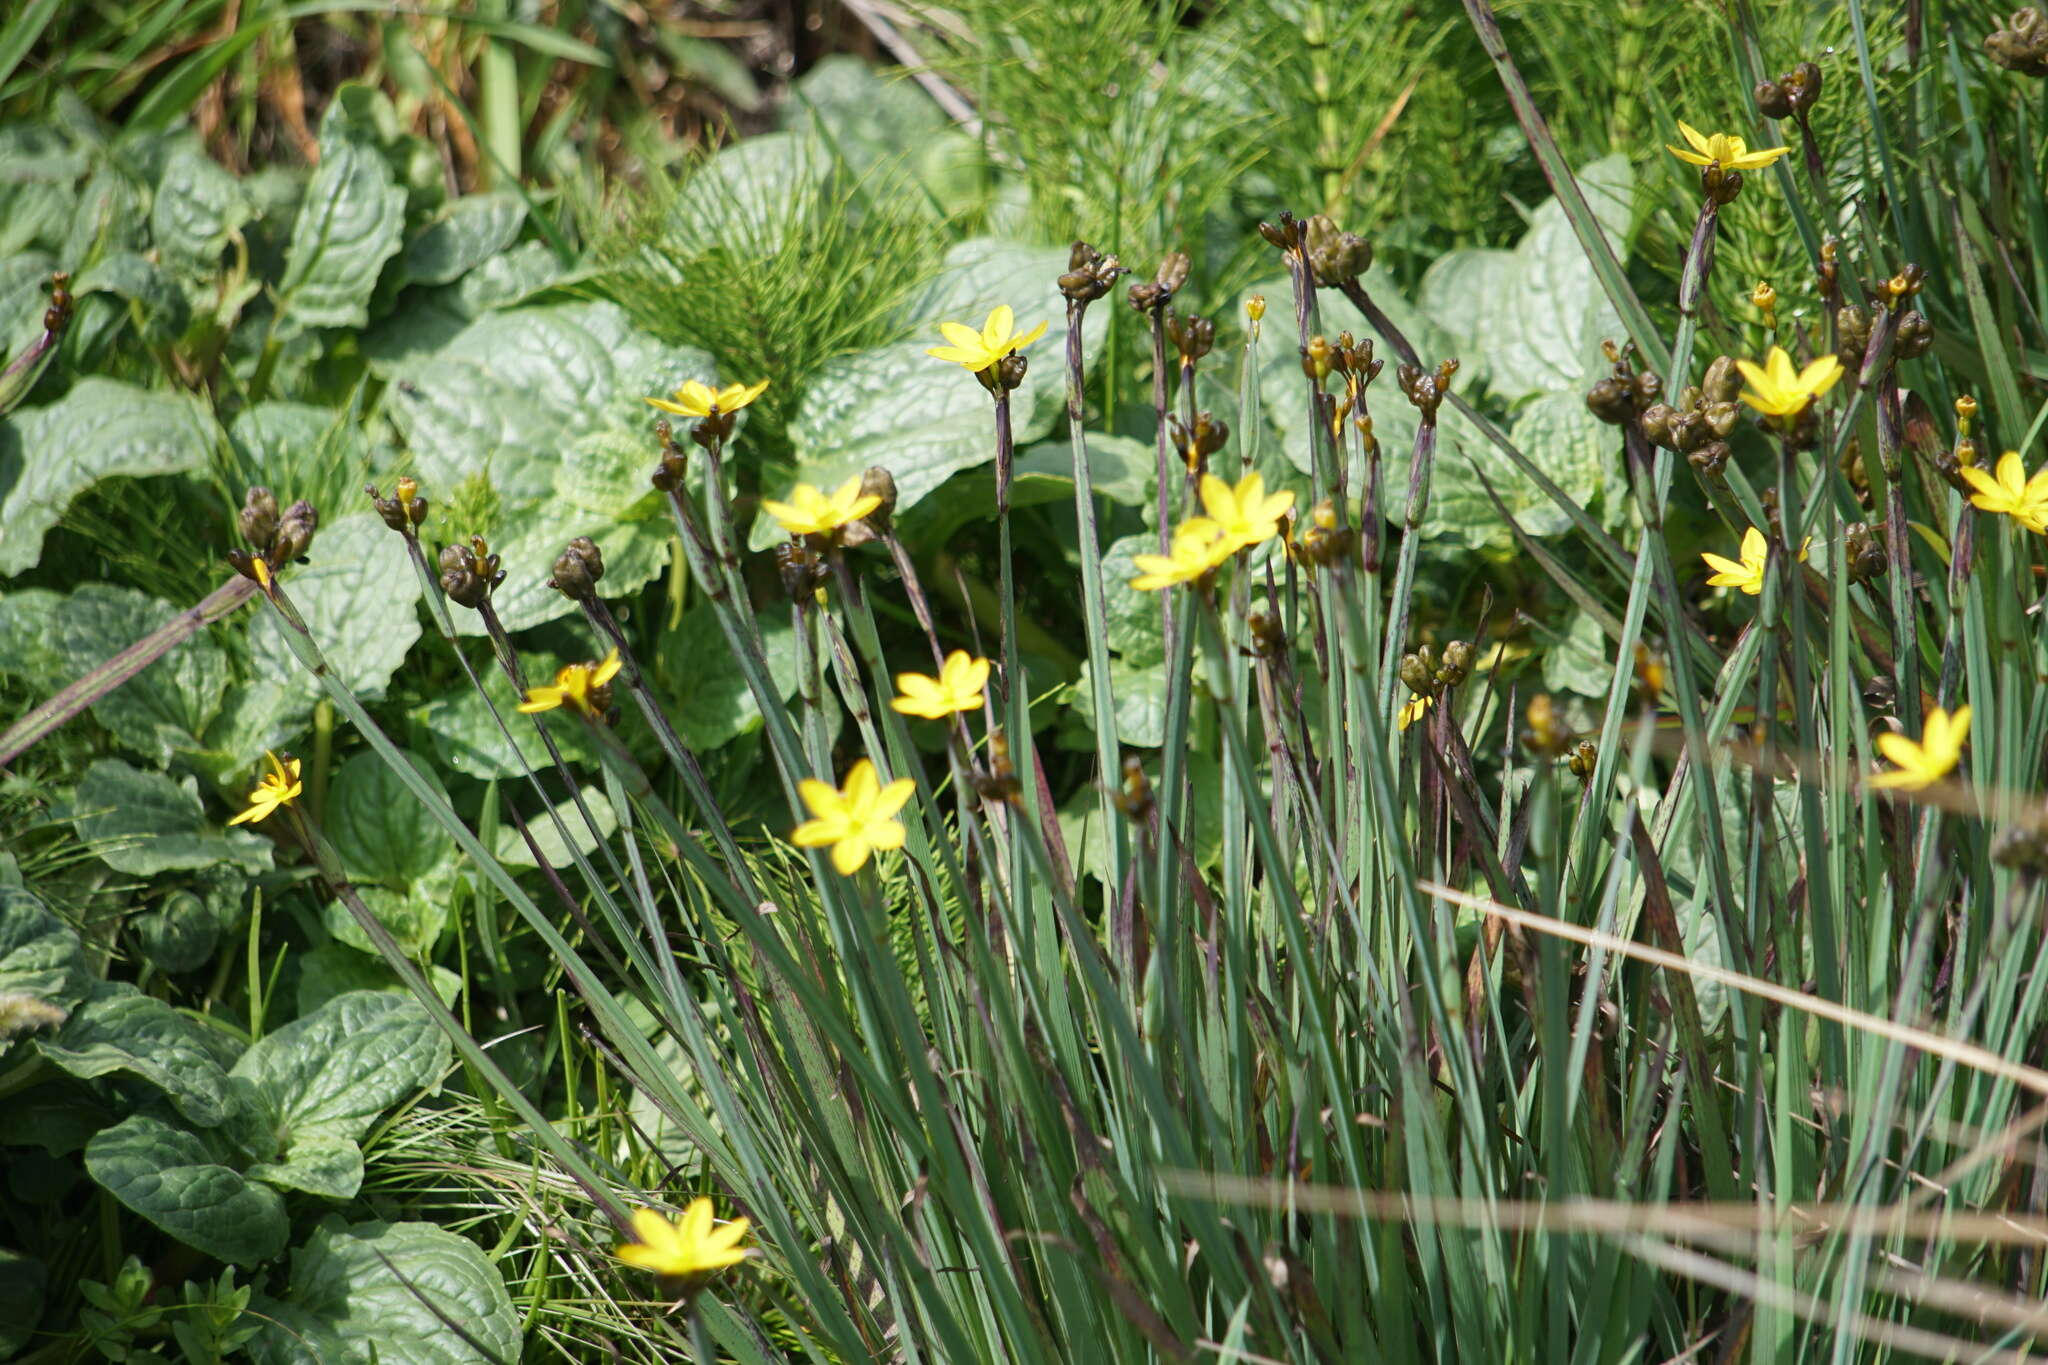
(1707, 1021)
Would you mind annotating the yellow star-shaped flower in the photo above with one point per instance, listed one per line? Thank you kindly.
(855, 821)
(688, 1249)
(1198, 547)
(812, 513)
(977, 351)
(1934, 757)
(279, 787)
(1748, 574)
(697, 399)
(2023, 499)
(1730, 151)
(576, 686)
(957, 688)
(1245, 514)
(1778, 389)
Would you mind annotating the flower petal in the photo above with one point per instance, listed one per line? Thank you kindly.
(849, 854)
(892, 798)
(822, 799)
(1002, 323)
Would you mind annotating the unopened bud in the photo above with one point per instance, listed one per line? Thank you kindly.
(578, 569)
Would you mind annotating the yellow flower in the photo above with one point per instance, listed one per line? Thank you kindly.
(957, 688)
(1730, 151)
(575, 687)
(687, 1249)
(1246, 514)
(696, 399)
(1747, 575)
(279, 787)
(811, 513)
(1418, 706)
(1933, 758)
(1198, 546)
(853, 822)
(2023, 499)
(1777, 390)
(977, 351)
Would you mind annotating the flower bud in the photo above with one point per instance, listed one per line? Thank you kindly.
(1585, 755)
(1457, 663)
(1544, 734)
(1255, 309)
(1286, 234)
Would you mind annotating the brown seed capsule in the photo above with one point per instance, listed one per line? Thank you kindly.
(2022, 45)
(1866, 553)
(1915, 336)
(1338, 257)
(1090, 274)
(577, 570)
(1135, 799)
(1269, 638)
(294, 533)
(259, 517)
(1802, 84)
(1457, 664)
(1418, 672)
(1009, 371)
(801, 570)
(1773, 100)
(1584, 757)
(1711, 459)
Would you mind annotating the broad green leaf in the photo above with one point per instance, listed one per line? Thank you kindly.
(101, 429)
(24, 297)
(513, 389)
(168, 705)
(180, 934)
(197, 208)
(29, 627)
(349, 224)
(317, 1163)
(706, 693)
(415, 916)
(1136, 631)
(40, 956)
(469, 741)
(381, 1293)
(923, 419)
(634, 553)
(470, 231)
(1559, 436)
(333, 969)
(1580, 660)
(182, 1182)
(22, 1280)
(1140, 694)
(155, 302)
(745, 199)
(1123, 470)
(145, 823)
(335, 1070)
(431, 318)
(375, 826)
(605, 472)
(119, 1030)
(38, 195)
(878, 123)
(1535, 316)
(513, 852)
(357, 594)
